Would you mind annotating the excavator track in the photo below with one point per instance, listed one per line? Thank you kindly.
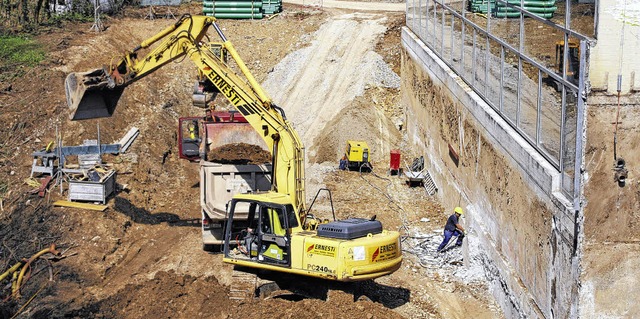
(244, 285)
(247, 285)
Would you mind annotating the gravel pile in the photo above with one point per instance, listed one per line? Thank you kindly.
(315, 83)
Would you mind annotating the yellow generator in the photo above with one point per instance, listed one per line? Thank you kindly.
(357, 156)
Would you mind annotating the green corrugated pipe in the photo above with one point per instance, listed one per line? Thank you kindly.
(531, 9)
(231, 10)
(530, 3)
(232, 4)
(517, 14)
(238, 15)
(541, 10)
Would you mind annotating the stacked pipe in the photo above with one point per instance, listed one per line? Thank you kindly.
(482, 6)
(240, 9)
(235, 9)
(541, 8)
(272, 6)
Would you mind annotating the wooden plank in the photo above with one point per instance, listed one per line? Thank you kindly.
(43, 185)
(66, 203)
(128, 139)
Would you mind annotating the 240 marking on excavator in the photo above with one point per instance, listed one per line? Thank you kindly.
(320, 268)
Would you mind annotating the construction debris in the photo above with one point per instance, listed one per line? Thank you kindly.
(88, 181)
(96, 185)
(128, 139)
(418, 175)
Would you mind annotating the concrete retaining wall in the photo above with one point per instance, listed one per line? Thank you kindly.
(510, 192)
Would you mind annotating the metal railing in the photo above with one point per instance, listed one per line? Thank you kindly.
(507, 67)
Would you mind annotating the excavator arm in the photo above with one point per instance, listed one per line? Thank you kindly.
(96, 93)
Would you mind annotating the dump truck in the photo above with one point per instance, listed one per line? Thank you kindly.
(220, 180)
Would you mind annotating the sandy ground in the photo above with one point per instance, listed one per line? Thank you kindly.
(335, 73)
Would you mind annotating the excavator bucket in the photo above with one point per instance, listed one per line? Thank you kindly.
(91, 94)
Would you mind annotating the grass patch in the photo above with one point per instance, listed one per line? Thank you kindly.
(75, 17)
(16, 53)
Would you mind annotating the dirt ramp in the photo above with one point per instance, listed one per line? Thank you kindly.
(318, 81)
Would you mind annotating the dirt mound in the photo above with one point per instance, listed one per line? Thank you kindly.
(338, 305)
(172, 294)
(239, 154)
(184, 296)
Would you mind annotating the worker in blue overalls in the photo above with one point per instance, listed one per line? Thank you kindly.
(343, 163)
(453, 228)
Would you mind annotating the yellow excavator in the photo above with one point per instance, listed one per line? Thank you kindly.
(279, 233)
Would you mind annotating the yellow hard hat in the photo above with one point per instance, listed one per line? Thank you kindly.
(458, 210)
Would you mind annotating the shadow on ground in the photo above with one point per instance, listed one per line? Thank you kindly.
(296, 288)
(143, 216)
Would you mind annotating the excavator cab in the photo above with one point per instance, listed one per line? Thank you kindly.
(189, 138)
(266, 236)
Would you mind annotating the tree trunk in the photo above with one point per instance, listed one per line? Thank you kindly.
(48, 8)
(25, 11)
(36, 14)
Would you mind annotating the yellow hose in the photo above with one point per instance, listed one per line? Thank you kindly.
(14, 284)
(11, 270)
(51, 249)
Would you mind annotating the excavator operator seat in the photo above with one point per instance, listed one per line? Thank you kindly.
(272, 221)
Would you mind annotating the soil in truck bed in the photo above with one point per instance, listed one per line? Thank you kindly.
(239, 154)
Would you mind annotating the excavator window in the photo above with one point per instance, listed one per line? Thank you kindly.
(189, 139)
(273, 239)
(291, 216)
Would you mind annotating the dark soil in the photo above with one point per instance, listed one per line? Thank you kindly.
(239, 154)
